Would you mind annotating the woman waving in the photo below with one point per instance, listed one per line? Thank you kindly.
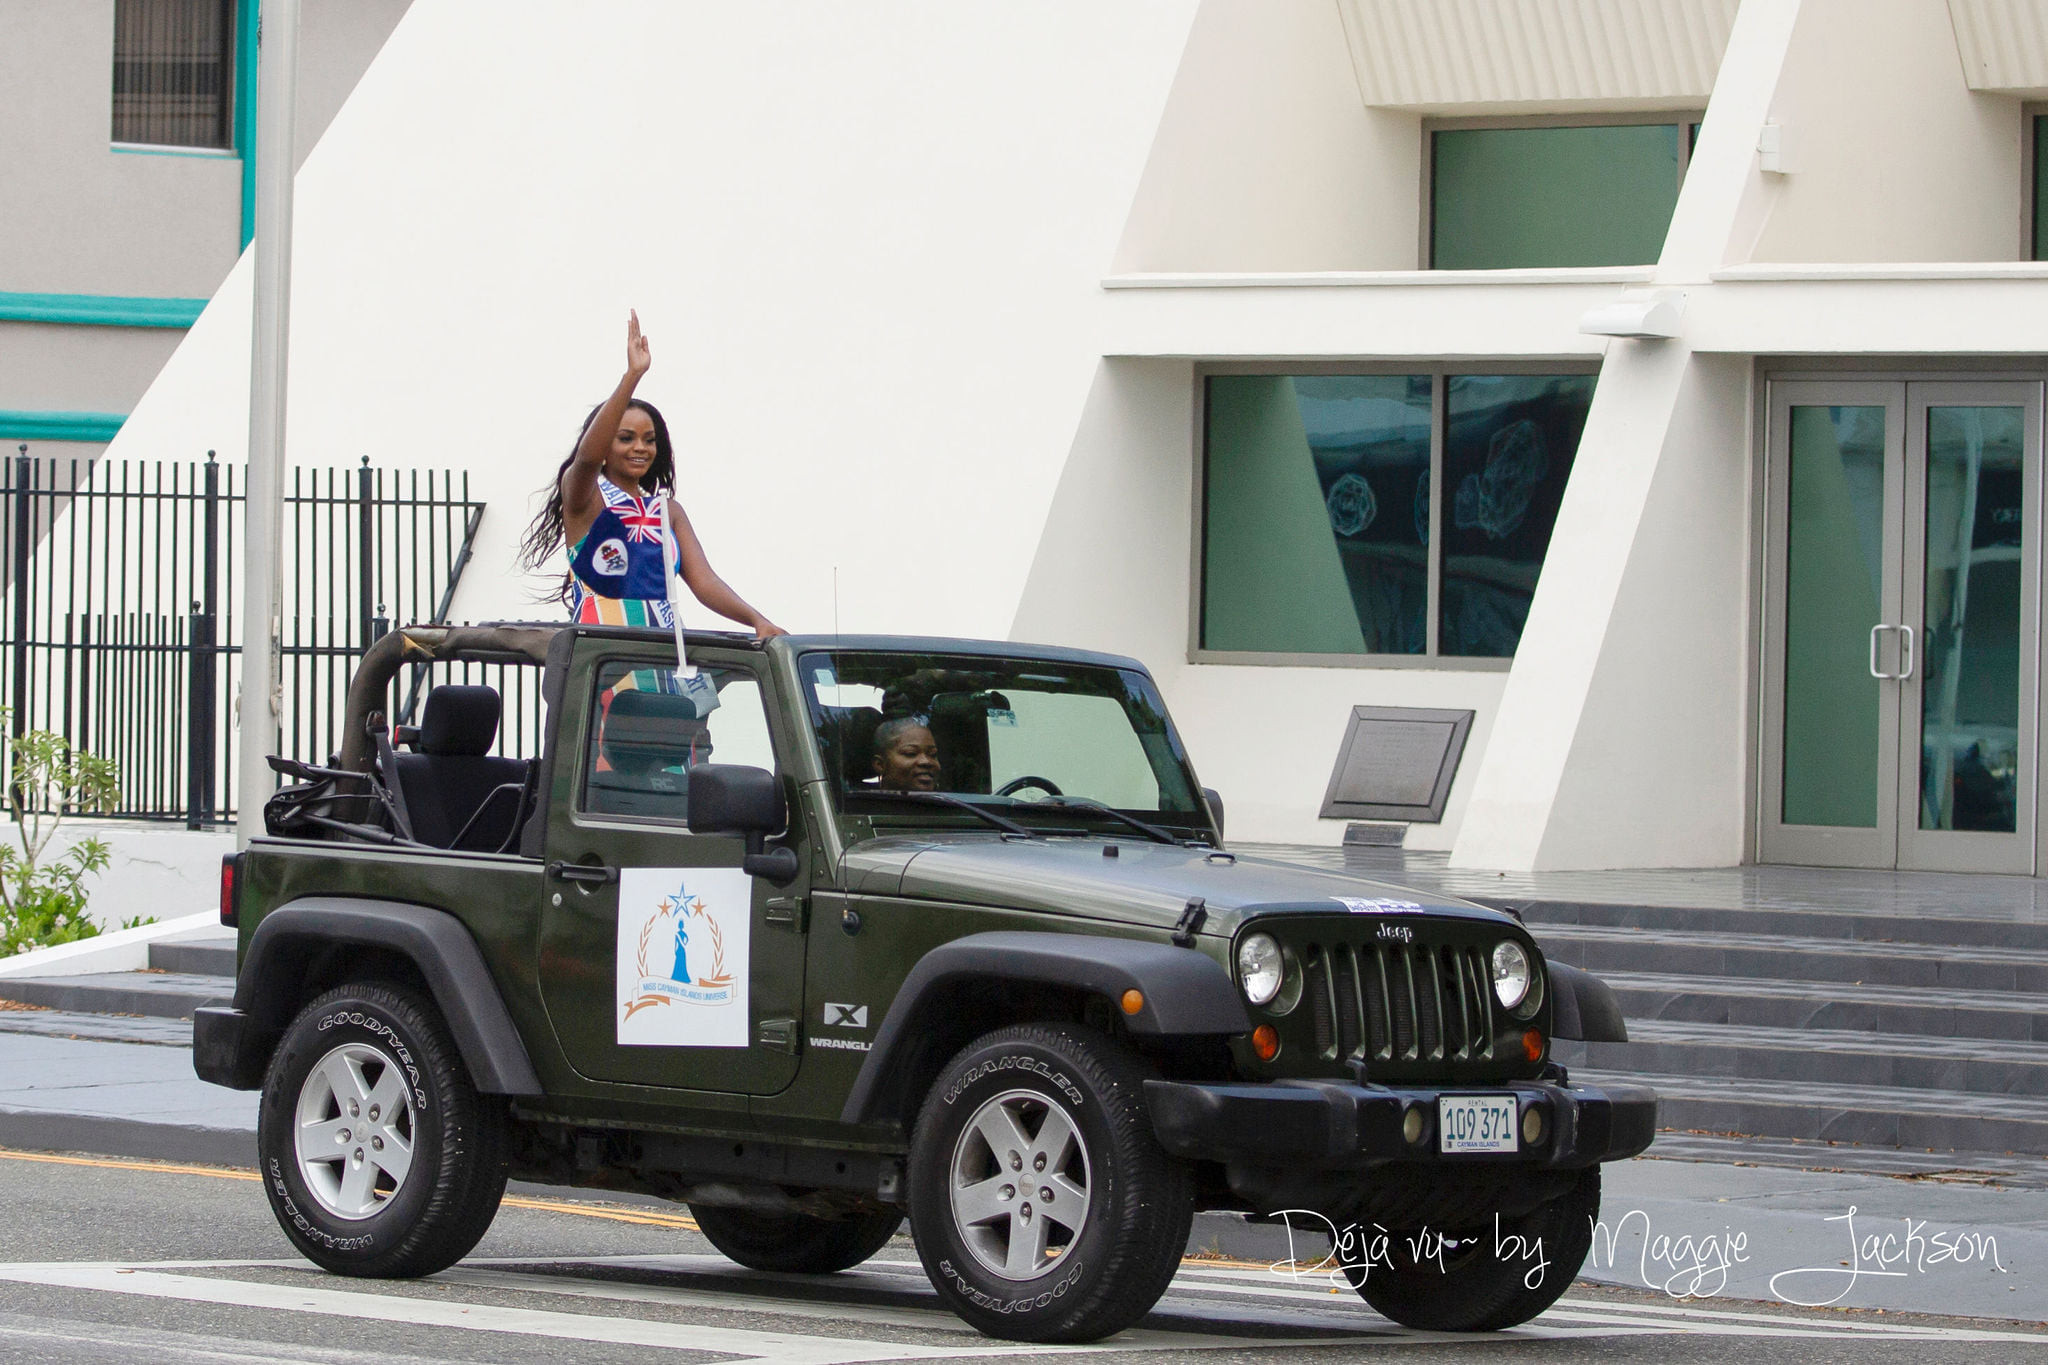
(611, 505)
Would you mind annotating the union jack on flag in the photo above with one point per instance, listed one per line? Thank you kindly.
(642, 518)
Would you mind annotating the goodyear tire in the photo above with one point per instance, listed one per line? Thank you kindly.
(795, 1243)
(1043, 1207)
(1476, 1286)
(377, 1154)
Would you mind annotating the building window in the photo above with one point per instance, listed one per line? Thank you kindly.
(2039, 150)
(1584, 195)
(174, 72)
(1380, 514)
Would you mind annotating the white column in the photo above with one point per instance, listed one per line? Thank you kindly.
(276, 76)
(1622, 734)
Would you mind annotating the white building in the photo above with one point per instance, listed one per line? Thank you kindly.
(1278, 343)
(126, 169)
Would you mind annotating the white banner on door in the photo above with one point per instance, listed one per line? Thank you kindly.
(683, 959)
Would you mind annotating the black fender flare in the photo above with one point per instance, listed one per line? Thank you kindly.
(1187, 994)
(434, 941)
(1583, 1007)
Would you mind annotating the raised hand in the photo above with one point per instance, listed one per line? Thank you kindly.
(638, 356)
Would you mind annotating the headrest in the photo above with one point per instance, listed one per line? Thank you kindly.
(854, 732)
(461, 720)
(649, 729)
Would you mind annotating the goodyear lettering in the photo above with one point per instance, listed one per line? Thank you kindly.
(371, 1024)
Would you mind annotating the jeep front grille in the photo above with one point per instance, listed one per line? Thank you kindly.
(1413, 1003)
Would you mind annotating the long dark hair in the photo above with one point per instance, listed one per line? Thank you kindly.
(544, 535)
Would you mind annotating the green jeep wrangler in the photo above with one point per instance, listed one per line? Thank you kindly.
(841, 930)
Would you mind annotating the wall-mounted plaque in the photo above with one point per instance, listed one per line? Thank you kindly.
(1396, 763)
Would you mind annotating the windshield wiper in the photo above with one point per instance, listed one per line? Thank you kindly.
(1149, 830)
(942, 799)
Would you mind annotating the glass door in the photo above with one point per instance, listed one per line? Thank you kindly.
(1831, 722)
(1901, 647)
(1972, 575)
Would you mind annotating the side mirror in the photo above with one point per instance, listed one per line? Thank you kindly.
(1215, 800)
(731, 798)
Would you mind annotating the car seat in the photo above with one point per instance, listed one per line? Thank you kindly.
(649, 741)
(456, 794)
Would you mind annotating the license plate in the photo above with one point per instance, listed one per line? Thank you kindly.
(1475, 1123)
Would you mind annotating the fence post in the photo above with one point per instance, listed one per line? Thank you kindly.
(366, 551)
(24, 542)
(197, 757)
(211, 652)
(201, 713)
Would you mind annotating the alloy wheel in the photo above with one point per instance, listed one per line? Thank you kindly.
(354, 1131)
(1020, 1185)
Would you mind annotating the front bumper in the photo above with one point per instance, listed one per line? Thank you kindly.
(1338, 1125)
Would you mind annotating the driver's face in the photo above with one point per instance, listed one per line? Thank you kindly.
(911, 762)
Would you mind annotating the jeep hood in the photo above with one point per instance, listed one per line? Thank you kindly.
(1143, 883)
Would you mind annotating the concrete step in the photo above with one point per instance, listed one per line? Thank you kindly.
(166, 995)
(199, 955)
(1868, 926)
(1940, 1120)
(1925, 1010)
(1978, 1066)
(1788, 957)
(105, 1028)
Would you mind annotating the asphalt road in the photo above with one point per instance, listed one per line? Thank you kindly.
(107, 1260)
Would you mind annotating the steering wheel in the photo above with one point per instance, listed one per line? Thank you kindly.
(1017, 784)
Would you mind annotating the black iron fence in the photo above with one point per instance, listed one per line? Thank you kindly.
(123, 587)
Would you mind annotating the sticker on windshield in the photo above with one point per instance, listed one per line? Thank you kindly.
(683, 956)
(1358, 906)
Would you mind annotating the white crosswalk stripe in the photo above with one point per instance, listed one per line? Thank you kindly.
(633, 1301)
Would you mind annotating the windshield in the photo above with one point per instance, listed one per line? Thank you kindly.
(915, 737)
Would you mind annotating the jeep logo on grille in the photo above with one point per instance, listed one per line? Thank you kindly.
(1399, 931)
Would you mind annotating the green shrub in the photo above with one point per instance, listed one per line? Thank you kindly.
(42, 897)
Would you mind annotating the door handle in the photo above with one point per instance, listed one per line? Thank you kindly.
(583, 872)
(1875, 671)
(1907, 651)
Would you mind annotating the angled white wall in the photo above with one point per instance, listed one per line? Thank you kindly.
(1267, 159)
(1892, 156)
(866, 242)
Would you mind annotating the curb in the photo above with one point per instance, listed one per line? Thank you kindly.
(30, 1130)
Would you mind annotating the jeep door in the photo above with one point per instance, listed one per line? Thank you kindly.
(660, 962)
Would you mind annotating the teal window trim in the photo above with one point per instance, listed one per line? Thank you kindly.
(100, 310)
(248, 22)
(96, 427)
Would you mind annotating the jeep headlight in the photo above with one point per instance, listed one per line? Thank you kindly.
(1512, 974)
(1260, 968)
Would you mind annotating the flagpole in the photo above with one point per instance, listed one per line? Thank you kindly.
(262, 657)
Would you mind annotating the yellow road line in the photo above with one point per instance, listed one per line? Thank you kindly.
(162, 1167)
(649, 1217)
